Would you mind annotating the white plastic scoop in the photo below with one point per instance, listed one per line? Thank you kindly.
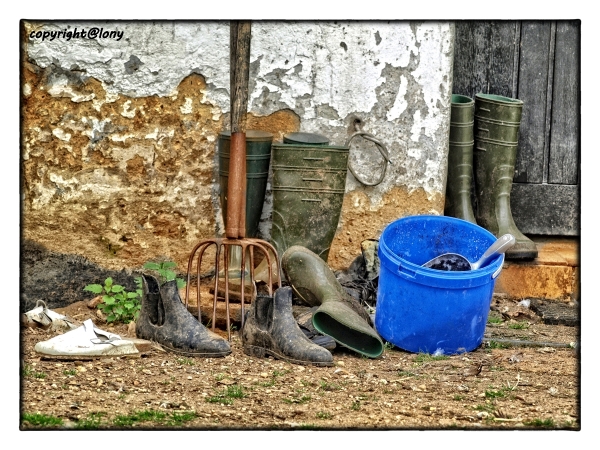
(457, 263)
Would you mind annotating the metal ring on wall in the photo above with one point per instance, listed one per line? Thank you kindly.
(382, 150)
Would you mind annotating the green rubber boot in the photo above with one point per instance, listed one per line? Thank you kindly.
(338, 314)
(308, 187)
(460, 159)
(497, 122)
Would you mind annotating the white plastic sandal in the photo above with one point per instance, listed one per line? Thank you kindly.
(86, 342)
(41, 316)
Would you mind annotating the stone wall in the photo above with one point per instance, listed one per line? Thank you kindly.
(119, 131)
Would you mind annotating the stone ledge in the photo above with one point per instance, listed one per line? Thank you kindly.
(553, 275)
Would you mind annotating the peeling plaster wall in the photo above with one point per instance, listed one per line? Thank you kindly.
(119, 135)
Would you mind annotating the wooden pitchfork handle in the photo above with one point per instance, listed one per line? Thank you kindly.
(239, 73)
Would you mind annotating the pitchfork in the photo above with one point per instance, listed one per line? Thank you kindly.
(235, 225)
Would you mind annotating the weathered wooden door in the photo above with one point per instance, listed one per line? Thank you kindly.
(537, 62)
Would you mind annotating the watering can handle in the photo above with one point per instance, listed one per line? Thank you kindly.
(382, 150)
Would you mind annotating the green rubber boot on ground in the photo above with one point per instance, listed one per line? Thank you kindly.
(497, 122)
(338, 315)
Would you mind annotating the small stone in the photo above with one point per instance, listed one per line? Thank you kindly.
(340, 363)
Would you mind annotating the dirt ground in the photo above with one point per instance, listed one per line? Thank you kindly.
(497, 386)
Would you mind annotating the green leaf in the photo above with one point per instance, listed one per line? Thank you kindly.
(152, 266)
(168, 264)
(169, 275)
(108, 300)
(117, 288)
(132, 295)
(128, 305)
(119, 297)
(108, 282)
(181, 283)
(111, 318)
(95, 288)
(118, 310)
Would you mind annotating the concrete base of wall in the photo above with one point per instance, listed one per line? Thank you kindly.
(553, 275)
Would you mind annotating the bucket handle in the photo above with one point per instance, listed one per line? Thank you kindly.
(382, 150)
(408, 273)
(498, 270)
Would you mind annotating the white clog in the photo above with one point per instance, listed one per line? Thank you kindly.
(86, 342)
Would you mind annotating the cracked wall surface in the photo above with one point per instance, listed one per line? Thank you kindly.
(119, 136)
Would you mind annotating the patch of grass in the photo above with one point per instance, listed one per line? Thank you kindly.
(546, 423)
(494, 319)
(92, 422)
(569, 424)
(69, 372)
(406, 373)
(487, 408)
(155, 417)
(29, 371)
(269, 383)
(497, 345)
(458, 398)
(323, 415)
(178, 418)
(227, 395)
(139, 416)
(279, 373)
(495, 394)
(298, 400)
(355, 406)
(185, 361)
(329, 386)
(40, 420)
(426, 357)
(219, 376)
(518, 325)
(388, 346)
(308, 426)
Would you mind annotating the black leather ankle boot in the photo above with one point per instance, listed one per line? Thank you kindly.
(270, 329)
(164, 319)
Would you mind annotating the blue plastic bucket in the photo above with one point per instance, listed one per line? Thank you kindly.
(427, 310)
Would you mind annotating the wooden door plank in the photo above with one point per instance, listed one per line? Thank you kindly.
(564, 155)
(549, 209)
(533, 87)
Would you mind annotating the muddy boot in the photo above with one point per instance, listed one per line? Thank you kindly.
(339, 315)
(460, 159)
(308, 188)
(497, 121)
(164, 319)
(270, 329)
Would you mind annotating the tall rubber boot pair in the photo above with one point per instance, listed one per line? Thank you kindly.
(338, 314)
(492, 149)
(270, 329)
(164, 319)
